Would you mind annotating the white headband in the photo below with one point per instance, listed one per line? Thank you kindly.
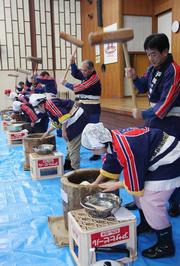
(95, 135)
(36, 98)
(17, 106)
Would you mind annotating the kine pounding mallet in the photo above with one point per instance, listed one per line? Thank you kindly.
(35, 61)
(72, 40)
(120, 36)
(14, 76)
(20, 70)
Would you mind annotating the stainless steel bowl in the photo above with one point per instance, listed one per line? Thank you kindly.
(44, 149)
(15, 127)
(101, 204)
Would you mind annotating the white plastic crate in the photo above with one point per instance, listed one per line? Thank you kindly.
(86, 233)
(46, 166)
(16, 137)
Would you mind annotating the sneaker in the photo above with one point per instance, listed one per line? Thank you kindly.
(67, 165)
(131, 206)
(95, 157)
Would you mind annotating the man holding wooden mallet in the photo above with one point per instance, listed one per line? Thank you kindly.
(162, 82)
(88, 92)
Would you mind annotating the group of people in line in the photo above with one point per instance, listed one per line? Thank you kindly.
(148, 156)
(36, 102)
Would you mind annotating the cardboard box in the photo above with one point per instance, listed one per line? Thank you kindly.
(46, 166)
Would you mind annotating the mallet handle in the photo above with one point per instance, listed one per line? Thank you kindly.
(131, 85)
(65, 75)
(23, 71)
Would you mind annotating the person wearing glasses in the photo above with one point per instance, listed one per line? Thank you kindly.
(87, 92)
(162, 83)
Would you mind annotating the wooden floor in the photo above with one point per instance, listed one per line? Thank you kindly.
(117, 113)
(123, 104)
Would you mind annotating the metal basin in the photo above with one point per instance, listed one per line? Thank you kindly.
(44, 149)
(101, 204)
(15, 127)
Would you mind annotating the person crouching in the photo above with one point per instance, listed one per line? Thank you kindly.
(149, 159)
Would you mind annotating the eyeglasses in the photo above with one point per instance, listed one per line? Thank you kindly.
(84, 70)
(153, 54)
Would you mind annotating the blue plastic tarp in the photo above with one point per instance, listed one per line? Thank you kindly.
(25, 205)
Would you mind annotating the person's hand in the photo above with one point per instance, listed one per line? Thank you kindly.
(32, 124)
(45, 135)
(13, 116)
(72, 60)
(94, 184)
(130, 73)
(63, 82)
(110, 186)
(137, 114)
(64, 134)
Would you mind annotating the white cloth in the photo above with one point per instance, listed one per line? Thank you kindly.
(49, 95)
(36, 98)
(13, 95)
(17, 106)
(95, 135)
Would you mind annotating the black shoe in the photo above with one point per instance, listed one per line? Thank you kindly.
(174, 209)
(164, 246)
(159, 251)
(95, 157)
(144, 227)
(68, 170)
(131, 206)
(67, 165)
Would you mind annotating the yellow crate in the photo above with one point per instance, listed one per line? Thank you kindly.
(46, 166)
(87, 233)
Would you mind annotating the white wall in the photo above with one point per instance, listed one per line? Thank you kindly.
(142, 27)
(164, 24)
(15, 39)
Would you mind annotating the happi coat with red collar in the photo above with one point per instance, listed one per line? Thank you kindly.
(59, 112)
(137, 152)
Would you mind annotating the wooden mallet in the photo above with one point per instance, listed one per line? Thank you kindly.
(20, 70)
(14, 76)
(120, 36)
(35, 61)
(69, 38)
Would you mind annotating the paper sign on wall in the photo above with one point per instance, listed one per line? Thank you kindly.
(97, 53)
(110, 49)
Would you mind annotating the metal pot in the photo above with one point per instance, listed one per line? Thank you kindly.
(101, 204)
(15, 127)
(44, 149)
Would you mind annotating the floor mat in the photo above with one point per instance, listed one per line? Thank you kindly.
(26, 204)
(58, 230)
